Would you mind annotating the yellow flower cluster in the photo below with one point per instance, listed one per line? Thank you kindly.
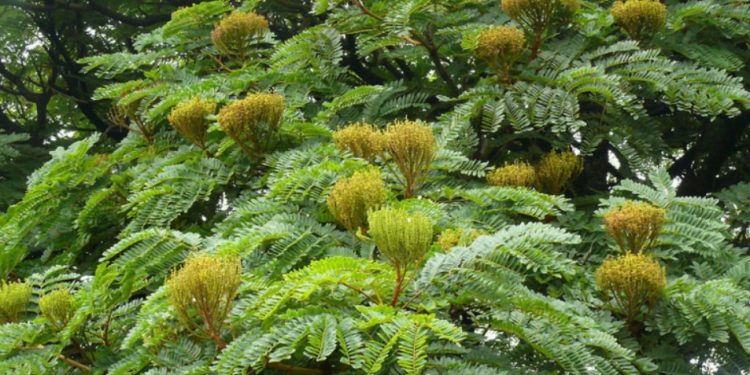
(233, 34)
(412, 146)
(450, 237)
(352, 198)
(631, 281)
(516, 174)
(253, 122)
(14, 297)
(361, 139)
(640, 18)
(536, 17)
(57, 307)
(189, 119)
(556, 171)
(536, 14)
(500, 47)
(401, 237)
(205, 287)
(634, 225)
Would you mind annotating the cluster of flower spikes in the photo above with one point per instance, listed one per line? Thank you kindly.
(189, 119)
(641, 19)
(205, 288)
(352, 198)
(632, 281)
(253, 122)
(57, 307)
(634, 225)
(14, 297)
(362, 140)
(500, 47)
(537, 16)
(412, 146)
(556, 171)
(451, 237)
(236, 32)
(401, 237)
(517, 174)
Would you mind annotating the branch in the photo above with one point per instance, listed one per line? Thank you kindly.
(75, 363)
(432, 51)
(366, 11)
(17, 81)
(426, 42)
(370, 13)
(145, 21)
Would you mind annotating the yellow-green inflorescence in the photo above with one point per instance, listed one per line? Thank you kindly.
(634, 225)
(362, 140)
(403, 238)
(451, 237)
(57, 307)
(500, 47)
(641, 19)
(234, 34)
(556, 171)
(14, 297)
(352, 198)
(253, 122)
(631, 282)
(517, 174)
(202, 293)
(189, 119)
(412, 146)
(537, 16)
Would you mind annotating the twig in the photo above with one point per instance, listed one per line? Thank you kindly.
(360, 291)
(74, 363)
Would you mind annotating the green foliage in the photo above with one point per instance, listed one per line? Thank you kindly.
(346, 196)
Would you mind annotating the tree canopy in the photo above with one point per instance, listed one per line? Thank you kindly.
(375, 187)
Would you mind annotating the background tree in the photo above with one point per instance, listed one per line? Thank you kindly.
(347, 166)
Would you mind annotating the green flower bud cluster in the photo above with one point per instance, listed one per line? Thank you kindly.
(361, 139)
(189, 119)
(352, 198)
(234, 34)
(641, 19)
(14, 297)
(517, 174)
(451, 237)
(253, 122)
(556, 171)
(536, 17)
(401, 237)
(540, 14)
(412, 146)
(500, 47)
(57, 307)
(205, 288)
(634, 225)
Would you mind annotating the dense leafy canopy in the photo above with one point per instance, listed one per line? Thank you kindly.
(376, 187)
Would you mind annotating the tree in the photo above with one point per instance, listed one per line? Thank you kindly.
(449, 187)
(44, 91)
